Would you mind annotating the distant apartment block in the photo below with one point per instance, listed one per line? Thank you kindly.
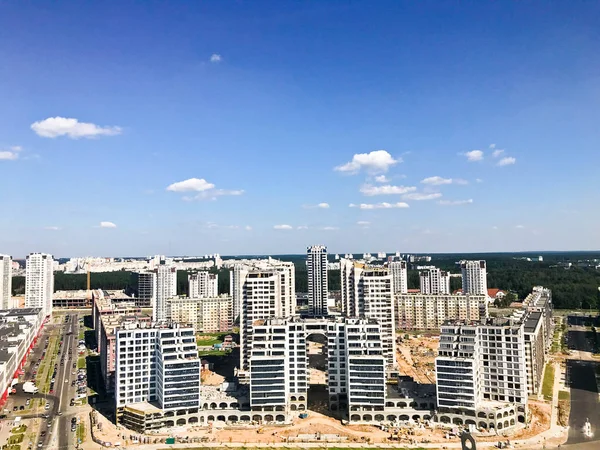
(205, 314)
(5, 282)
(399, 276)
(474, 277)
(144, 291)
(166, 288)
(316, 264)
(434, 281)
(39, 282)
(429, 312)
(203, 284)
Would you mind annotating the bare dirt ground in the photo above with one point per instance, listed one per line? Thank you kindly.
(210, 378)
(416, 356)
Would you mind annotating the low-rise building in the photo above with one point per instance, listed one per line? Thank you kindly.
(204, 314)
(80, 298)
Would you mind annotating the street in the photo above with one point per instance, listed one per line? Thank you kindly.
(56, 420)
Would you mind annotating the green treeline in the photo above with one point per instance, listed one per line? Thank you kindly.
(576, 287)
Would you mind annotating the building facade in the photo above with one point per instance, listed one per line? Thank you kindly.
(166, 288)
(5, 282)
(429, 312)
(399, 276)
(316, 264)
(155, 366)
(203, 284)
(474, 277)
(39, 282)
(205, 314)
(434, 281)
(145, 292)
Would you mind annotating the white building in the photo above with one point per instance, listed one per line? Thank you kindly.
(5, 282)
(474, 277)
(166, 288)
(279, 374)
(366, 291)
(434, 281)
(39, 282)
(481, 374)
(203, 284)
(158, 365)
(316, 262)
(429, 312)
(399, 276)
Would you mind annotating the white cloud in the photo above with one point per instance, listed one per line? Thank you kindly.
(330, 228)
(474, 155)
(520, 227)
(382, 179)
(203, 188)
(383, 205)
(302, 227)
(215, 58)
(374, 162)
(507, 161)
(370, 190)
(421, 196)
(436, 181)
(248, 228)
(283, 227)
(459, 181)
(455, 202)
(52, 228)
(494, 227)
(363, 223)
(478, 180)
(319, 205)
(497, 153)
(11, 153)
(107, 225)
(492, 146)
(61, 126)
(192, 184)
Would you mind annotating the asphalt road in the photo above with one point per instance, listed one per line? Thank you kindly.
(581, 378)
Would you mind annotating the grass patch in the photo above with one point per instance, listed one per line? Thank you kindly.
(19, 429)
(81, 364)
(548, 383)
(16, 439)
(564, 395)
(210, 339)
(11, 447)
(81, 432)
(213, 353)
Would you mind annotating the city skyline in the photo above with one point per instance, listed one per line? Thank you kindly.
(204, 129)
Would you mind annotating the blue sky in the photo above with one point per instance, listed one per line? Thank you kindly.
(200, 127)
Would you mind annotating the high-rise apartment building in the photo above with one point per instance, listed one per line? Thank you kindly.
(481, 372)
(474, 277)
(145, 288)
(367, 292)
(316, 264)
(279, 374)
(203, 284)
(399, 276)
(155, 364)
(434, 281)
(166, 288)
(39, 282)
(5, 282)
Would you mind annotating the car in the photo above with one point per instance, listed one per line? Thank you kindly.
(74, 365)
(73, 420)
(43, 434)
(28, 401)
(73, 427)
(15, 408)
(53, 380)
(21, 408)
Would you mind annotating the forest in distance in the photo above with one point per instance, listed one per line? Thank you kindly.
(572, 288)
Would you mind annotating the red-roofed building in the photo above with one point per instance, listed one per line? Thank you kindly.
(413, 291)
(496, 294)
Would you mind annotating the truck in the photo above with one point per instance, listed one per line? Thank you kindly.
(29, 388)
